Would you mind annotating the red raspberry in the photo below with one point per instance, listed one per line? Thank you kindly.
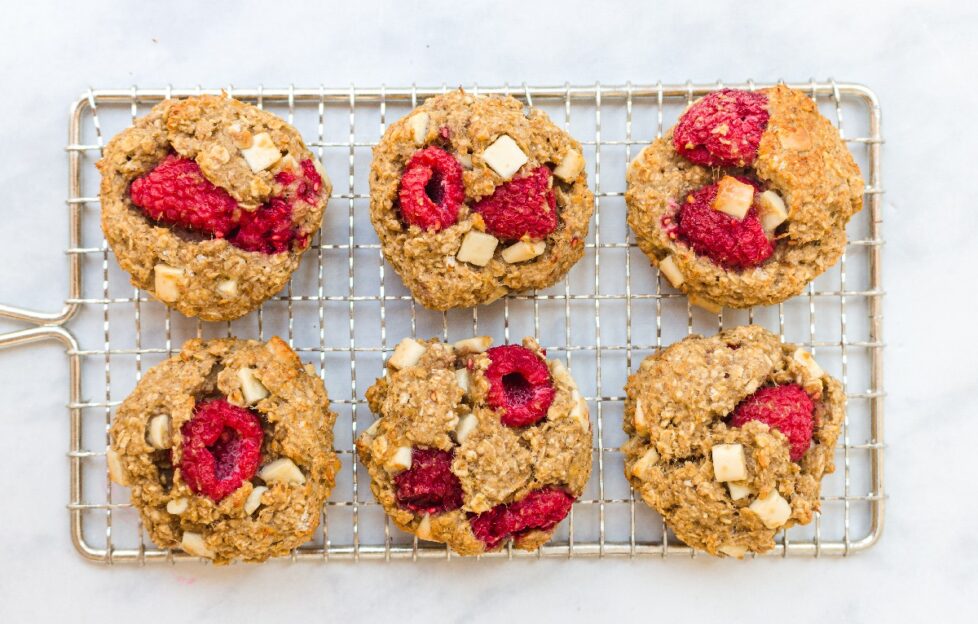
(268, 229)
(221, 448)
(522, 207)
(731, 243)
(519, 385)
(538, 510)
(431, 189)
(429, 486)
(787, 408)
(176, 192)
(723, 129)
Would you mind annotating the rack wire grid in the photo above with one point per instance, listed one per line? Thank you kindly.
(345, 309)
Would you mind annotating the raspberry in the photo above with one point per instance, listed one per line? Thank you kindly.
(221, 448)
(522, 207)
(519, 385)
(176, 192)
(429, 486)
(268, 229)
(723, 129)
(539, 510)
(728, 242)
(787, 408)
(431, 189)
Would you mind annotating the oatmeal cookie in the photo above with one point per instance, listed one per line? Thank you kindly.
(746, 200)
(473, 199)
(474, 446)
(227, 449)
(208, 203)
(729, 437)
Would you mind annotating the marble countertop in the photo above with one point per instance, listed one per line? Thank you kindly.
(914, 55)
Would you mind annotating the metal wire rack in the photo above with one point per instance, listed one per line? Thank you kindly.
(345, 309)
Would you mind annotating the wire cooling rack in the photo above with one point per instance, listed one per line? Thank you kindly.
(345, 309)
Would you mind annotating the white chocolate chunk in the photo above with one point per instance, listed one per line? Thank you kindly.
(667, 266)
(194, 544)
(771, 209)
(158, 432)
(733, 197)
(570, 167)
(116, 471)
(167, 282)
(478, 344)
(805, 359)
(504, 156)
(521, 251)
(641, 423)
(738, 490)
(729, 463)
(406, 354)
(640, 469)
(706, 304)
(401, 459)
(253, 501)
(462, 378)
(282, 470)
(228, 288)
(773, 509)
(372, 429)
(177, 506)
(262, 154)
(419, 127)
(424, 528)
(466, 425)
(251, 389)
(733, 550)
(477, 248)
(579, 410)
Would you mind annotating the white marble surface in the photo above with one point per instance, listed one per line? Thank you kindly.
(920, 59)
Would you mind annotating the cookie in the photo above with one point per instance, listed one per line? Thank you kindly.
(746, 200)
(729, 437)
(472, 199)
(227, 448)
(208, 203)
(474, 446)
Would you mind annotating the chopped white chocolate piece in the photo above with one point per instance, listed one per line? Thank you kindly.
(477, 344)
(253, 501)
(401, 459)
(738, 490)
(561, 374)
(579, 409)
(466, 425)
(372, 429)
(251, 389)
(522, 251)
(729, 463)
(641, 424)
(167, 282)
(228, 288)
(262, 154)
(406, 354)
(194, 544)
(477, 248)
(419, 127)
(733, 550)
(116, 472)
(570, 167)
(773, 509)
(667, 266)
(706, 304)
(504, 156)
(805, 359)
(772, 211)
(462, 378)
(282, 470)
(177, 506)
(640, 469)
(158, 432)
(424, 528)
(465, 160)
(733, 197)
